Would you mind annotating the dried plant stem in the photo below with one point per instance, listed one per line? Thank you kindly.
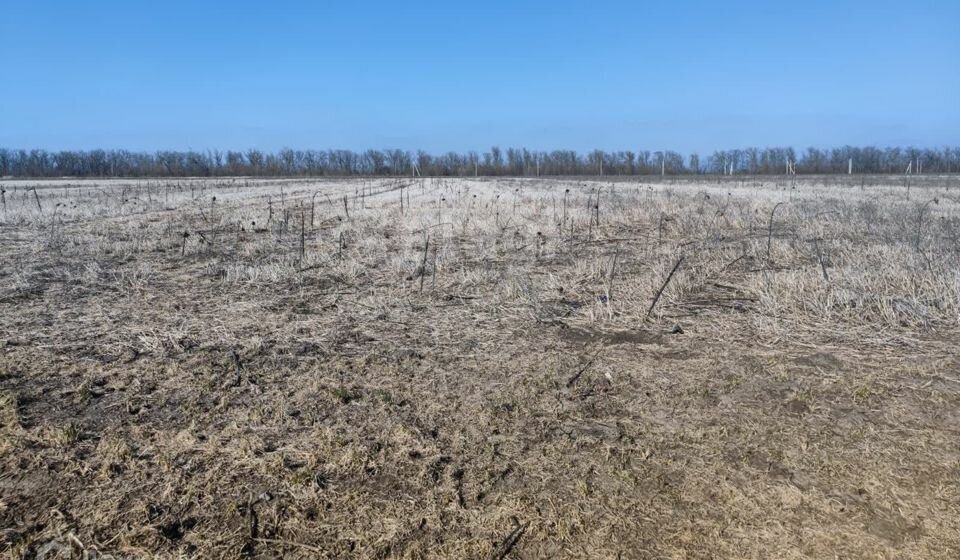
(423, 263)
(659, 293)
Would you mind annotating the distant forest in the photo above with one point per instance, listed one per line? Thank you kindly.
(509, 162)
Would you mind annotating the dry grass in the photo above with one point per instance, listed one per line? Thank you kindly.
(477, 376)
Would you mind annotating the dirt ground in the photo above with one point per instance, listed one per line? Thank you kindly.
(432, 368)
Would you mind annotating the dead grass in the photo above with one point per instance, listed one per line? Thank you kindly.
(496, 391)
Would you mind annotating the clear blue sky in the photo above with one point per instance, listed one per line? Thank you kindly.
(683, 75)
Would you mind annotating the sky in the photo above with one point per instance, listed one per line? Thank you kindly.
(681, 75)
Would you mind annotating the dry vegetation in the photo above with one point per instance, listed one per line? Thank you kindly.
(472, 369)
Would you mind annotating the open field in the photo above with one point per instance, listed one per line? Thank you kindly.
(456, 368)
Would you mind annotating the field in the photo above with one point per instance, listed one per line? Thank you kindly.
(738, 367)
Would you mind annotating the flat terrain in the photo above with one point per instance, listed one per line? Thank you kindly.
(432, 368)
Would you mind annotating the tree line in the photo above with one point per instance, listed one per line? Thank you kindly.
(495, 161)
